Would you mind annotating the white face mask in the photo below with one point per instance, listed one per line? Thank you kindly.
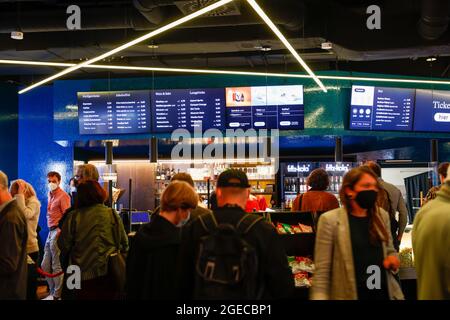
(73, 189)
(184, 221)
(52, 186)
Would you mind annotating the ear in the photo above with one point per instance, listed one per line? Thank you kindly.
(349, 192)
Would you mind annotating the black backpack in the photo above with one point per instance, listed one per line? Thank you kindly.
(227, 265)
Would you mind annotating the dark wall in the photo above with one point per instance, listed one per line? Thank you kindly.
(8, 130)
(38, 152)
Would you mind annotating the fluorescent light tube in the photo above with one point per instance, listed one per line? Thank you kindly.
(129, 44)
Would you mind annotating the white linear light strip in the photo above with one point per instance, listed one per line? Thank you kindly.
(278, 33)
(130, 44)
(230, 72)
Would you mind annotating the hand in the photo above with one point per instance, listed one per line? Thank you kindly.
(391, 263)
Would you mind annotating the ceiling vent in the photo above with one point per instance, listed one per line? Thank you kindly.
(188, 7)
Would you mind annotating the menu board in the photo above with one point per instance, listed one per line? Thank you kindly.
(116, 112)
(268, 107)
(432, 111)
(376, 108)
(188, 109)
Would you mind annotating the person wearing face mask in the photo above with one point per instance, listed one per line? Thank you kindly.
(354, 254)
(73, 191)
(90, 235)
(58, 203)
(152, 261)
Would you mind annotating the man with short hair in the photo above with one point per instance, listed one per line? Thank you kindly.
(13, 246)
(396, 204)
(58, 203)
(273, 272)
(442, 173)
(431, 243)
(186, 177)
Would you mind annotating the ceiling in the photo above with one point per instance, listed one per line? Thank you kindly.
(230, 38)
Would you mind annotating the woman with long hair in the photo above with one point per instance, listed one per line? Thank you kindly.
(354, 254)
(26, 199)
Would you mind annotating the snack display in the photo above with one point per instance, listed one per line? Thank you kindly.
(301, 264)
(302, 280)
(302, 268)
(280, 229)
(284, 228)
(406, 258)
(305, 228)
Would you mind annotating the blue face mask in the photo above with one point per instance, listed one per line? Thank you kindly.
(184, 221)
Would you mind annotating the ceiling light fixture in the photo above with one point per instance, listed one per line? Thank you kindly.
(17, 35)
(282, 38)
(172, 25)
(264, 48)
(130, 44)
(224, 72)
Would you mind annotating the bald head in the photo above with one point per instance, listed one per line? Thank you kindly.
(3, 181)
(5, 196)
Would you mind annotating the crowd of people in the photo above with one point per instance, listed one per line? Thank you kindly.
(187, 251)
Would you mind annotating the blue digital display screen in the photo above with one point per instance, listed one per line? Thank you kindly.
(116, 112)
(376, 108)
(189, 109)
(432, 111)
(268, 107)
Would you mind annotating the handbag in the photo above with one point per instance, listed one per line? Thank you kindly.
(117, 261)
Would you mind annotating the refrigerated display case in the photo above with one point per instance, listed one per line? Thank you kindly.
(293, 178)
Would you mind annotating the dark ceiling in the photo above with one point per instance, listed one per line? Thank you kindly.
(232, 37)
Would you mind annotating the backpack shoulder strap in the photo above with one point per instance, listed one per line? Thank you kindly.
(247, 222)
(208, 222)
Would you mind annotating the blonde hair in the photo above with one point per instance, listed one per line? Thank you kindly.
(88, 172)
(178, 195)
(29, 190)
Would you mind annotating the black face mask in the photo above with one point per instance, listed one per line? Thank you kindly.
(366, 199)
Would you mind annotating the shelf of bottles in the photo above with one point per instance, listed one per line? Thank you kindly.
(261, 175)
(295, 174)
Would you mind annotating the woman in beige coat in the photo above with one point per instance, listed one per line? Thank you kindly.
(354, 254)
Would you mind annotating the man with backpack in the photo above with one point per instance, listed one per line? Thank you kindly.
(392, 202)
(231, 254)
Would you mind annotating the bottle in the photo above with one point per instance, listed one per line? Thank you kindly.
(158, 173)
(163, 176)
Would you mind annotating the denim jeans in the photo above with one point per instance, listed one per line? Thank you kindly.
(52, 264)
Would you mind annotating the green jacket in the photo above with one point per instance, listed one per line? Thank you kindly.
(89, 236)
(431, 245)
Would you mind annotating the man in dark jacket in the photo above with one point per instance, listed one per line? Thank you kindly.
(273, 269)
(13, 246)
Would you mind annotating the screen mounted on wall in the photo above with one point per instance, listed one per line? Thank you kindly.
(266, 107)
(378, 108)
(116, 112)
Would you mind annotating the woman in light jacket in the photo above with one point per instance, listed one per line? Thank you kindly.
(26, 199)
(354, 254)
